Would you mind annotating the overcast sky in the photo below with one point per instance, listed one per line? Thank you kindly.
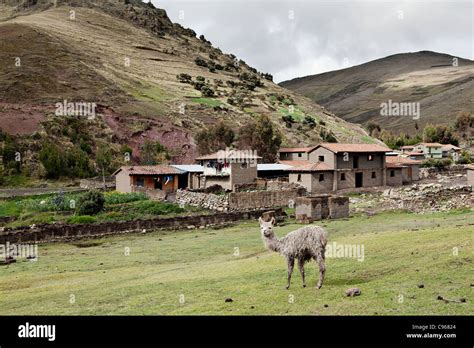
(297, 38)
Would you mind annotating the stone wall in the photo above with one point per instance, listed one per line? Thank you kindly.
(65, 232)
(97, 183)
(263, 199)
(431, 173)
(312, 208)
(203, 200)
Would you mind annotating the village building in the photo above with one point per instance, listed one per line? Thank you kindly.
(451, 151)
(228, 168)
(334, 166)
(163, 178)
(294, 153)
(430, 150)
(410, 169)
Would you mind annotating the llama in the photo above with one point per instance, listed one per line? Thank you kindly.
(304, 244)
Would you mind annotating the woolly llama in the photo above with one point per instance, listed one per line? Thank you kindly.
(304, 244)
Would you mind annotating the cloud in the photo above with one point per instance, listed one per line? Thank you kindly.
(296, 38)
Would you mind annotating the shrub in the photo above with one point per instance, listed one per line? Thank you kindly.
(184, 78)
(207, 91)
(289, 120)
(200, 62)
(120, 198)
(91, 203)
(436, 163)
(309, 121)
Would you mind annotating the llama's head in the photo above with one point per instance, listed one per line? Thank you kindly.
(266, 227)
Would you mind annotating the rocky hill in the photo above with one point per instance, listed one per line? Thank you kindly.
(150, 78)
(355, 94)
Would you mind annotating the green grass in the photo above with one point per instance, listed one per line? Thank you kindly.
(207, 101)
(402, 250)
(118, 207)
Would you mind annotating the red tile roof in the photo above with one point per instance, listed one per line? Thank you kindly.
(400, 160)
(311, 167)
(295, 163)
(336, 147)
(150, 170)
(430, 144)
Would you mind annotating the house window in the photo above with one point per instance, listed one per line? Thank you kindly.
(370, 157)
(343, 176)
(300, 154)
(299, 178)
(321, 177)
(244, 165)
(140, 182)
(374, 176)
(392, 173)
(321, 158)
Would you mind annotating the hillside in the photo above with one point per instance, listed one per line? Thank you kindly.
(355, 93)
(125, 56)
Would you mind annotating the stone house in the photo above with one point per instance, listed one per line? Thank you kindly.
(430, 150)
(410, 169)
(333, 166)
(164, 178)
(228, 168)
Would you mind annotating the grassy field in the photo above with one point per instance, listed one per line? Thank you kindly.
(194, 271)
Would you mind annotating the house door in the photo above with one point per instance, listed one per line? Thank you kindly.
(359, 179)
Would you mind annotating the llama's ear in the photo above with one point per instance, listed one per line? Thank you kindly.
(272, 221)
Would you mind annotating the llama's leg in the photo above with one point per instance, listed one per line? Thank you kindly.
(301, 267)
(291, 264)
(322, 268)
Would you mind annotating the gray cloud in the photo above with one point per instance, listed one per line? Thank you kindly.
(297, 38)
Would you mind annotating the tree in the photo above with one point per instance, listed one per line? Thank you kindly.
(52, 160)
(216, 138)
(103, 159)
(464, 123)
(153, 153)
(261, 136)
(439, 134)
(90, 203)
(372, 126)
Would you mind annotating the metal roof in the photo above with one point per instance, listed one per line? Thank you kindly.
(190, 168)
(272, 166)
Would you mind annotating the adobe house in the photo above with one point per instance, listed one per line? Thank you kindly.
(294, 153)
(333, 166)
(228, 168)
(164, 178)
(410, 168)
(430, 150)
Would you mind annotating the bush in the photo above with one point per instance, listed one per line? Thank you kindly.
(309, 121)
(289, 120)
(184, 78)
(200, 62)
(120, 198)
(436, 163)
(207, 91)
(91, 203)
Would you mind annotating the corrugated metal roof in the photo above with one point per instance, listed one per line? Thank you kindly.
(190, 168)
(272, 166)
(231, 154)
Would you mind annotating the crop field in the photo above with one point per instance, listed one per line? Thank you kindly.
(408, 262)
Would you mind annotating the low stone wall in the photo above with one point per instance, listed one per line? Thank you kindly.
(431, 173)
(262, 199)
(65, 232)
(203, 200)
(97, 183)
(313, 208)
(278, 185)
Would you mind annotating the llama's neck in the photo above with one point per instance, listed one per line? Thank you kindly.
(273, 244)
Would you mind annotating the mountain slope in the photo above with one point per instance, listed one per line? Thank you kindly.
(125, 56)
(355, 93)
